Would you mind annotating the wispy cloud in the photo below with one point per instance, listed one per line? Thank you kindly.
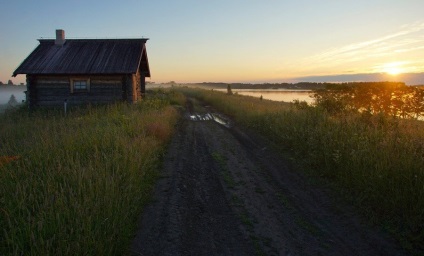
(366, 56)
(400, 40)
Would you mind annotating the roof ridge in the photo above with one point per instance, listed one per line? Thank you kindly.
(97, 38)
(84, 56)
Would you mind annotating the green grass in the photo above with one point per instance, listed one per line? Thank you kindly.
(4, 108)
(225, 173)
(81, 180)
(376, 162)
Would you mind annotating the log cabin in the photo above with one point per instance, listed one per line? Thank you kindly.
(81, 71)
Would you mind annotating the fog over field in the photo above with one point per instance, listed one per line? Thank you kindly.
(6, 91)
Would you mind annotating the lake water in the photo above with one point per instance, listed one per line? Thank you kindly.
(275, 95)
(6, 91)
(271, 94)
(285, 95)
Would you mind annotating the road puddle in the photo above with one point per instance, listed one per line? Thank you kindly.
(219, 118)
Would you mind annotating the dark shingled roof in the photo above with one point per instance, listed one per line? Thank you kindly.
(87, 56)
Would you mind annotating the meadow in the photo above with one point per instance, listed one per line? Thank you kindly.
(76, 184)
(376, 162)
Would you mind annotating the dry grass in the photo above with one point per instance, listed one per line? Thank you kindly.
(81, 181)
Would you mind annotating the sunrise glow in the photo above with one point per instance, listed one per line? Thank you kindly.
(394, 68)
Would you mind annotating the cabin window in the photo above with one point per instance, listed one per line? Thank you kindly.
(80, 85)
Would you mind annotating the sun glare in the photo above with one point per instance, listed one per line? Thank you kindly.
(393, 69)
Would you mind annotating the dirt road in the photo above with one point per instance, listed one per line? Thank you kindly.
(225, 192)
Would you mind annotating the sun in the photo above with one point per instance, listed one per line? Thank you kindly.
(394, 68)
(393, 71)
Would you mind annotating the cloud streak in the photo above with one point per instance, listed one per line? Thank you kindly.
(396, 41)
(363, 57)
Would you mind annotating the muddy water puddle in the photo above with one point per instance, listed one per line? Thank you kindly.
(217, 117)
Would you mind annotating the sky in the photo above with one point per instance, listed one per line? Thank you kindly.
(234, 40)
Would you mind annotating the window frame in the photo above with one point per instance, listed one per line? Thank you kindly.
(79, 79)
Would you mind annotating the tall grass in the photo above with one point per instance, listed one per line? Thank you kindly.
(377, 162)
(81, 180)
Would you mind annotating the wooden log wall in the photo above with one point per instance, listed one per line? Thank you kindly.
(138, 86)
(143, 85)
(128, 83)
(54, 90)
(31, 96)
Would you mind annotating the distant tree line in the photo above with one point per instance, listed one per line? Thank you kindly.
(294, 86)
(10, 82)
(389, 98)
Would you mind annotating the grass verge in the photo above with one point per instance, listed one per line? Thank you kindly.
(377, 162)
(77, 183)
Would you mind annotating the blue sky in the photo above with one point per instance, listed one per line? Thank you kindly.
(232, 40)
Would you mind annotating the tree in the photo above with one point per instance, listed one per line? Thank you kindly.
(229, 91)
(387, 98)
(416, 102)
(12, 101)
(10, 82)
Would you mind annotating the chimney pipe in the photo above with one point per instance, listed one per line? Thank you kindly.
(60, 37)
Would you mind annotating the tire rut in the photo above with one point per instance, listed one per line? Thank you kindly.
(191, 215)
(224, 192)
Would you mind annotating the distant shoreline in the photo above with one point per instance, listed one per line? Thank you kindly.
(12, 85)
(241, 86)
(309, 86)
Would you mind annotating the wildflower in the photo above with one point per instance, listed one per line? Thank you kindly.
(7, 159)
